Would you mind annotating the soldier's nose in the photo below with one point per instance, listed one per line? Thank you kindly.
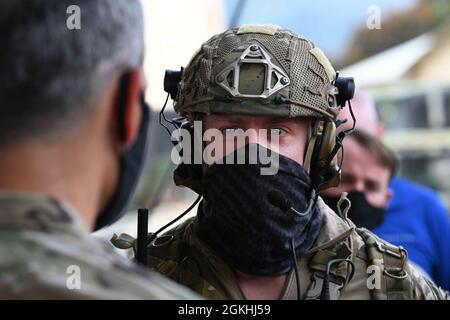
(252, 136)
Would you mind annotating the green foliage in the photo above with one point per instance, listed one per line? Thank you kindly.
(396, 28)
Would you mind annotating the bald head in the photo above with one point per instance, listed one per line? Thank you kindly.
(365, 113)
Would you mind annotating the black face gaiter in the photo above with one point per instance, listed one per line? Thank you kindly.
(362, 213)
(237, 220)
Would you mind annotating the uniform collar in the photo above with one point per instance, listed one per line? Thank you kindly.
(28, 211)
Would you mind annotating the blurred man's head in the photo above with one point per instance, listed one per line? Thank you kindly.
(52, 78)
(365, 113)
(60, 92)
(367, 170)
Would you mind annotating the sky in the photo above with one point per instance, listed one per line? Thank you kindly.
(328, 23)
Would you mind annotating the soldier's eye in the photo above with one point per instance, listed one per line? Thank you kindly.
(229, 130)
(276, 131)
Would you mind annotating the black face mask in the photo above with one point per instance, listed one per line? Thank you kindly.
(132, 162)
(237, 220)
(362, 213)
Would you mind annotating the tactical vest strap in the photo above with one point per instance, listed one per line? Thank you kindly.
(190, 264)
(339, 275)
(315, 289)
(389, 262)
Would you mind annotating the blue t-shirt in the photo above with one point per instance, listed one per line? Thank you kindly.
(417, 220)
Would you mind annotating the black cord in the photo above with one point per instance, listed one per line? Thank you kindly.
(348, 131)
(325, 294)
(154, 235)
(342, 158)
(297, 277)
(162, 116)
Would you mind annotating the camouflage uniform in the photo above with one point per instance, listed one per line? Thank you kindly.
(40, 242)
(269, 71)
(182, 256)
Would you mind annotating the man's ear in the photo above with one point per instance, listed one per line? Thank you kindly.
(389, 195)
(132, 112)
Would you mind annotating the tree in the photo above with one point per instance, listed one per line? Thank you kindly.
(396, 28)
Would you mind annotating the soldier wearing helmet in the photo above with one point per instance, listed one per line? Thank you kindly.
(271, 236)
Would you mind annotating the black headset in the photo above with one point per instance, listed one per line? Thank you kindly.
(324, 171)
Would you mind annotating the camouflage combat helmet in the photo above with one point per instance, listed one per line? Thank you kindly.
(260, 70)
(266, 70)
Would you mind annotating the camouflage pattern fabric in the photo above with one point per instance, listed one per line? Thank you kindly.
(298, 76)
(180, 255)
(43, 244)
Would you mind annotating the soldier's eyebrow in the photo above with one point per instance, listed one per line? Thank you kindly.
(279, 121)
(227, 119)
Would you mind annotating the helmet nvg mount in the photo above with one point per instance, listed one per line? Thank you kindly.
(270, 71)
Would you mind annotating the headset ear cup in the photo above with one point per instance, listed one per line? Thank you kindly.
(324, 172)
(327, 145)
(315, 168)
(331, 173)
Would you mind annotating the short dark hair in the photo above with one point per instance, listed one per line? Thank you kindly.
(379, 151)
(49, 74)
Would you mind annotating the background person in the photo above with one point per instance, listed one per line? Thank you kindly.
(416, 217)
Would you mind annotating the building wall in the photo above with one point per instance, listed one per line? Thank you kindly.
(175, 29)
(434, 67)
